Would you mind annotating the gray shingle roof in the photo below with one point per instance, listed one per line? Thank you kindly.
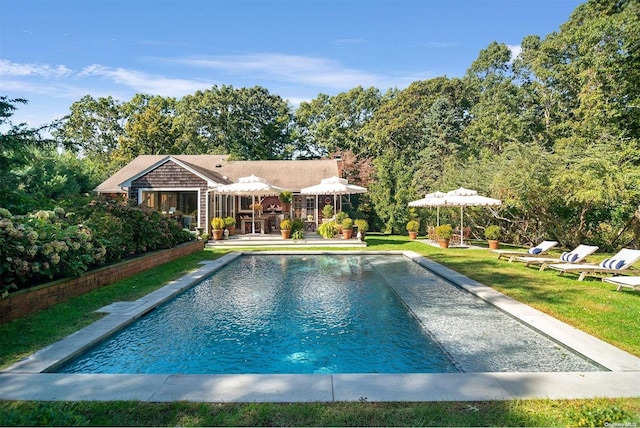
(288, 174)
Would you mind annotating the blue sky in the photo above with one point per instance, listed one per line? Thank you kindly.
(53, 52)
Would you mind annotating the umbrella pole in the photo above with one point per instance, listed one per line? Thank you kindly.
(461, 226)
(253, 214)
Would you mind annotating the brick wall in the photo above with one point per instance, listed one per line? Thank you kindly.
(24, 302)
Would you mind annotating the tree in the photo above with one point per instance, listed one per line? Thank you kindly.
(149, 128)
(246, 123)
(15, 146)
(334, 124)
(92, 128)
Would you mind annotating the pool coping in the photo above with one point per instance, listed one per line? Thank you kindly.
(28, 379)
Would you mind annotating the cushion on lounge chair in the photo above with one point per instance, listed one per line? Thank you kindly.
(569, 256)
(612, 263)
(535, 250)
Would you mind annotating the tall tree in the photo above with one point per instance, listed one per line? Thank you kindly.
(334, 124)
(15, 146)
(246, 123)
(92, 128)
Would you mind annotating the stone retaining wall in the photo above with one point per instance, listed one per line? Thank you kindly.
(43, 296)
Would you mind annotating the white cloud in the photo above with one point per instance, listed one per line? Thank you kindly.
(289, 68)
(515, 51)
(145, 82)
(8, 68)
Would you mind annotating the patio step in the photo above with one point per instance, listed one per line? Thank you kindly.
(276, 240)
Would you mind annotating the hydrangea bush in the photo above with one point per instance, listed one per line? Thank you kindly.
(47, 245)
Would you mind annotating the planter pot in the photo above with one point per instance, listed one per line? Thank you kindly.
(231, 229)
(286, 234)
(444, 243)
(493, 245)
(286, 207)
(218, 234)
(347, 234)
(413, 235)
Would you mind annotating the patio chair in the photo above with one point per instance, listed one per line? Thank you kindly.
(617, 264)
(577, 255)
(537, 251)
(632, 282)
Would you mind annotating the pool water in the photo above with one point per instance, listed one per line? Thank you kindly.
(276, 314)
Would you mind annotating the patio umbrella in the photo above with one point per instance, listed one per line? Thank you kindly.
(461, 198)
(424, 202)
(332, 186)
(250, 186)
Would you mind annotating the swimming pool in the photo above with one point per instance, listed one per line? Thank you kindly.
(326, 314)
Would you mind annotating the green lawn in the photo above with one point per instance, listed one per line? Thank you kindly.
(591, 306)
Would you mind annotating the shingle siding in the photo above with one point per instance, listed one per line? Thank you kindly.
(168, 176)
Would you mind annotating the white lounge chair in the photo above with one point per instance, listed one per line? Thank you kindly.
(537, 251)
(577, 255)
(632, 282)
(617, 264)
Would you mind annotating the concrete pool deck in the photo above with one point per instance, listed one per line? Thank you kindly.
(28, 379)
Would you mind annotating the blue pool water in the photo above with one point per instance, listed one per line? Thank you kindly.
(276, 314)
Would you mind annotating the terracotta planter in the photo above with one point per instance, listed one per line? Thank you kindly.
(413, 235)
(231, 229)
(493, 245)
(347, 234)
(218, 234)
(286, 234)
(444, 243)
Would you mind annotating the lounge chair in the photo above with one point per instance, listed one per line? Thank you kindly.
(577, 255)
(617, 264)
(537, 251)
(632, 282)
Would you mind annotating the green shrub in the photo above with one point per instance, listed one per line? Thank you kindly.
(347, 224)
(285, 196)
(341, 216)
(329, 229)
(413, 226)
(286, 224)
(492, 232)
(361, 224)
(327, 211)
(444, 231)
(229, 221)
(217, 223)
(298, 225)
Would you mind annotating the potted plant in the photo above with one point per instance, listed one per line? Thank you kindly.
(217, 224)
(328, 230)
(493, 233)
(444, 232)
(285, 228)
(347, 228)
(230, 224)
(362, 226)
(285, 198)
(412, 227)
(327, 213)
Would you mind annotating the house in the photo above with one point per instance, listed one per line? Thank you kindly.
(188, 184)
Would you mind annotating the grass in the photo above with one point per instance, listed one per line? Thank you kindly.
(591, 306)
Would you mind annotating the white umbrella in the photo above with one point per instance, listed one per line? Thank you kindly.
(424, 202)
(461, 198)
(332, 186)
(250, 186)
